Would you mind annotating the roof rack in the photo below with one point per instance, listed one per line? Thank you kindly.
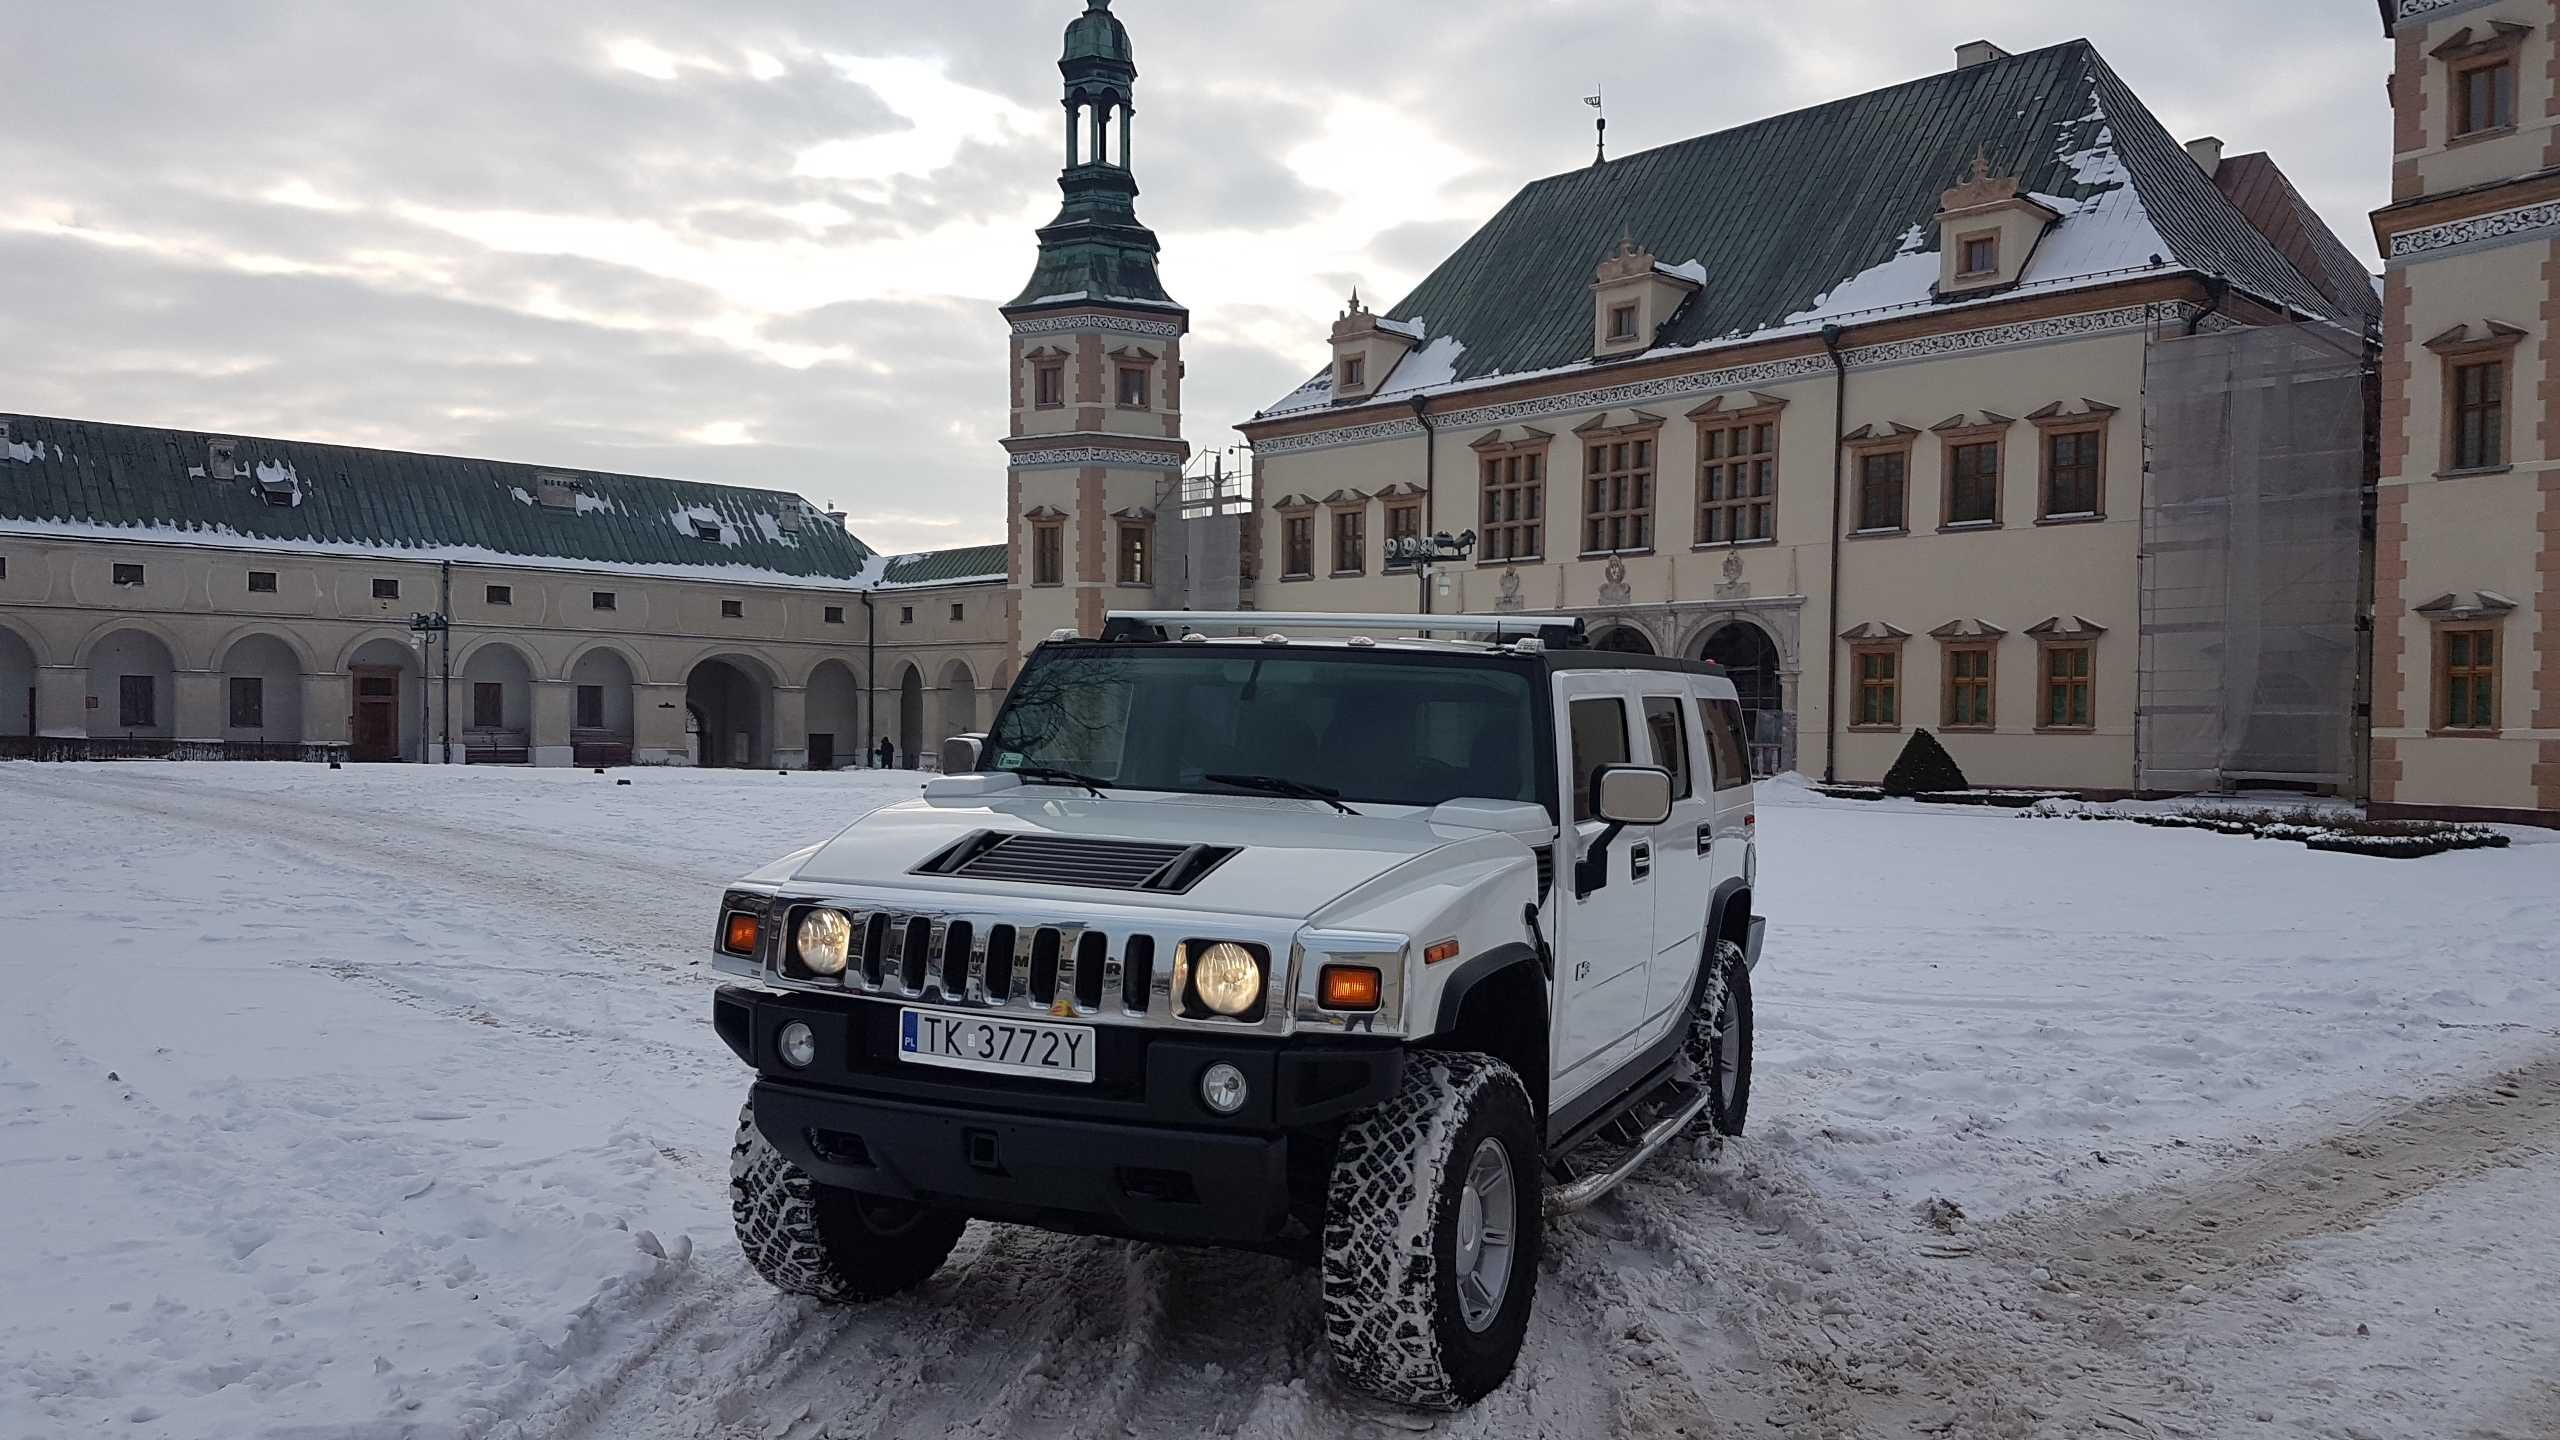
(1560, 631)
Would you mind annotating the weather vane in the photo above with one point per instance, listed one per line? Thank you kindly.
(1597, 101)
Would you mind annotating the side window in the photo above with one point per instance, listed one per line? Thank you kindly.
(1670, 733)
(1599, 738)
(1724, 743)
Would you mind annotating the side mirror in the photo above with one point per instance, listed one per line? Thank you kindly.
(960, 755)
(1632, 794)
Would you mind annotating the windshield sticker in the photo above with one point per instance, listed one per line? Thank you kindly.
(1010, 760)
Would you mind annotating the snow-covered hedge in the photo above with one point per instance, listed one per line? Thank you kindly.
(2341, 831)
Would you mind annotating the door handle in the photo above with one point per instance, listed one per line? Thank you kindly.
(1640, 861)
(1706, 837)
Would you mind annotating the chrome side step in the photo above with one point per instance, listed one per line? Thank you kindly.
(1583, 1192)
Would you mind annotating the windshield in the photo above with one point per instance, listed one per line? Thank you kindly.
(1388, 727)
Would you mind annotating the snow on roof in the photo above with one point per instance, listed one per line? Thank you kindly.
(223, 537)
(1693, 271)
(1415, 329)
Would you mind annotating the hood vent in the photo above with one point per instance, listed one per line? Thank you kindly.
(1035, 859)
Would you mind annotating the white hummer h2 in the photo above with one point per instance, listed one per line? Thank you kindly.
(1373, 949)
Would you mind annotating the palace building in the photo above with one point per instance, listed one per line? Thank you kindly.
(2466, 702)
(1976, 404)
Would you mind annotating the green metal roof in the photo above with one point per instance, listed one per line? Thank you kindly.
(1784, 212)
(128, 482)
(977, 564)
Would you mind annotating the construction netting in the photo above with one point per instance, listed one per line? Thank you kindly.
(2253, 564)
(1199, 559)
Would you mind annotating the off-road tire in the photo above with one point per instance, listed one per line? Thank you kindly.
(1724, 990)
(824, 1242)
(1391, 1310)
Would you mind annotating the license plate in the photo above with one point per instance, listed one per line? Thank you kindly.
(998, 1047)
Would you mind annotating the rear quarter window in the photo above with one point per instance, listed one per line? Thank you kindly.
(1724, 743)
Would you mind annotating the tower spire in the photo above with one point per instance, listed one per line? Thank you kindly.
(1096, 249)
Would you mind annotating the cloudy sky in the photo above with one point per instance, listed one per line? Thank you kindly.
(759, 241)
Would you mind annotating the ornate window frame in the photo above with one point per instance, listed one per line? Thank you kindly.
(1955, 435)
(1624, 487)
(2053, 424)
(2456, 351)
(1717, 430)
(1871, 442)
(1519, 471)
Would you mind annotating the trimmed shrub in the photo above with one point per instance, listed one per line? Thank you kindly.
(1924, 769)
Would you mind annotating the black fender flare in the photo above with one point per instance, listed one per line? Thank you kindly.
(1719, 909)
(1476, 970)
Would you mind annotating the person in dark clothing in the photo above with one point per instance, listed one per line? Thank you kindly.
(888, 754)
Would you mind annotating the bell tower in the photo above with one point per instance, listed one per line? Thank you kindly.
(1096, 447)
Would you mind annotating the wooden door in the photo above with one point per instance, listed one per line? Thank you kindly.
(376, 733)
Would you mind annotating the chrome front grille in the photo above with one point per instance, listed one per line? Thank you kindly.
(997, 964)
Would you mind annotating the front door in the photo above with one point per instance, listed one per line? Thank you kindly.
(1683, 878)
(822, 752)
(1608, 933)
(375, 729)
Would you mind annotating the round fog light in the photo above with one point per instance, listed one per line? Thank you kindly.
(1222, 1088)
(799, 1045)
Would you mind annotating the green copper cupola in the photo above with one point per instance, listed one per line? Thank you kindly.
(1096, 251)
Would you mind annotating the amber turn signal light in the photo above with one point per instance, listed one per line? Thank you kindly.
(1350, 987)
(1445, 950)
(740, 935)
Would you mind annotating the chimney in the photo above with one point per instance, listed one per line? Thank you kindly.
(837, 518)
(1978, 52)
(2208, 153)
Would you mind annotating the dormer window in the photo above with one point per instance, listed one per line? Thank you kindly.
(221, 461)
(1634, 296)
(1355, 372)
(1366, 349)
(1986, 229)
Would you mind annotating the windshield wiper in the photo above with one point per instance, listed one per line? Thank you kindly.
(1274, 785)
(1063, 777)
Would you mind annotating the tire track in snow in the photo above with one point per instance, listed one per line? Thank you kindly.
(2209, 1228)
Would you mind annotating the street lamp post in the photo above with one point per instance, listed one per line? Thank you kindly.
(428, 627)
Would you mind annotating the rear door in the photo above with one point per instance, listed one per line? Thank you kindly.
(1729, 780)
(1681, 856)
(1601, 975)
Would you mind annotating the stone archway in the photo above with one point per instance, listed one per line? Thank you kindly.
(261, 697)
(17, 685)
(1622, 640)
(601, 723)
(911, 718)
(732, 702)
(494, 706)
(132, 687)
(835, 717)
(960, 709)
(1750, 658)
(386, 717)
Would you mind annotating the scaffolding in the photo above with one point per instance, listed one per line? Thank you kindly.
(1199, 559)
(2254, 567)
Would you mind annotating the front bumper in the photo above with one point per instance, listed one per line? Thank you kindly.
(1136, 1153)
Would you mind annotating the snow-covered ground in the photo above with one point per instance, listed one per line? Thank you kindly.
(383, 1103)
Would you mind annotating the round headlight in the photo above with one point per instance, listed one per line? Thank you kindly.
(798, 1044)
(1227, 979)
(826, 938)
(1222, 1088)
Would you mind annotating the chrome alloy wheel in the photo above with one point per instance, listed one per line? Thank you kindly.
(1488, 1209)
